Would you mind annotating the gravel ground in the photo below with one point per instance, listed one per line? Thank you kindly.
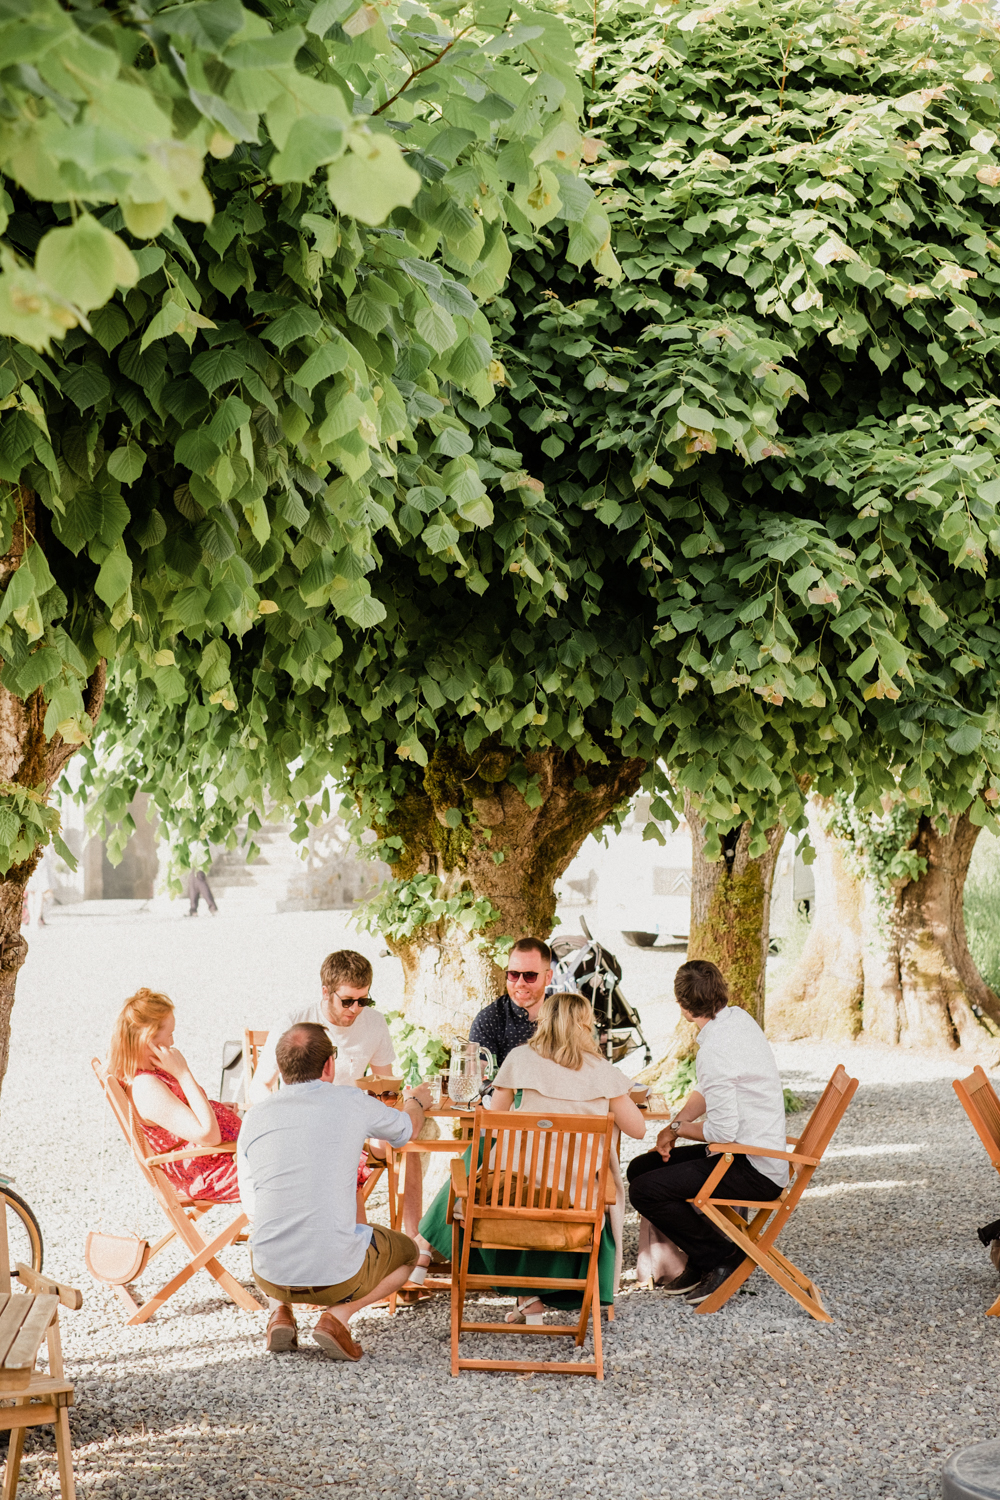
(756, 1401)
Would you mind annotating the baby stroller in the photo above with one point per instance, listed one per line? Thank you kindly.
(582, 964)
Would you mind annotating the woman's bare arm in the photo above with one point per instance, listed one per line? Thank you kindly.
(628, 1117)
(155, 1102)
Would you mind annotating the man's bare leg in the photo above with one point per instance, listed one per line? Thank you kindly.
(344, 1311)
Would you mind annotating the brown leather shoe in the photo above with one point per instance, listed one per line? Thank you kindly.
(334, 1338)
(282, 1331)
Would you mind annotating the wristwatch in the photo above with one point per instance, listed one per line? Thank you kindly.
(675, 1126)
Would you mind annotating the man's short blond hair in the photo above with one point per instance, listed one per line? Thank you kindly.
(345, 967)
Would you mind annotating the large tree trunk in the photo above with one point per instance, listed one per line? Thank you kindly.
(27, 758)
(501, 849)
(941, 989)
(731, 909)
(823, 995)
(899, 972)
(730, 925)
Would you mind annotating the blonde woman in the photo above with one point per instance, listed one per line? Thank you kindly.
(170, 1105)
(560, 1071)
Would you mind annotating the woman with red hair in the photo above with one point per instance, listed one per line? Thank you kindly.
(171, 1107)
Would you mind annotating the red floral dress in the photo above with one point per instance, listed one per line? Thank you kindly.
(209, 1179)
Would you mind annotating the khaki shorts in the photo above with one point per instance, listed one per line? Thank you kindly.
(386, 1253)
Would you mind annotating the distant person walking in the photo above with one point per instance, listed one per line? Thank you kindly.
(198, 886)
(39, 886)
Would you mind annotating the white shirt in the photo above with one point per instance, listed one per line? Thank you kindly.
(366, 1041)
(297, 1164)
(739, 1078)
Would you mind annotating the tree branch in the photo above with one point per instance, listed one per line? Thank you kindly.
(417, 71)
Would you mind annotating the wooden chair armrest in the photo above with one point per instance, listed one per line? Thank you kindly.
(35, 1282)
(224, 1148)
(459, 1178)
(738, 1150)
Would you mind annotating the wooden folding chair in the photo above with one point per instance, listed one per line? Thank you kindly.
(544, 1185)
(253, 1045)
(39, 1400)
(757, 1237)
(981, 1104)
(182, 1213)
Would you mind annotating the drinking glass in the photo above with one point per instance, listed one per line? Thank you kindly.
(433, 1087)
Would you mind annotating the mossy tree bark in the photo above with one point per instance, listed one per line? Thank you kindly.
(897, 972)
(27, 758)
(486, 837)
(730, 924)
(731, 909)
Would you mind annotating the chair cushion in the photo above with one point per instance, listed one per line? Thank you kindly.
(531, 1234)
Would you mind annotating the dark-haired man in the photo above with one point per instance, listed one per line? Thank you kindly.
(297, 1163)
(739, 1092)
(510, 1021)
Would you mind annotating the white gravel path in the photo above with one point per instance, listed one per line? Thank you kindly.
(757, 1401)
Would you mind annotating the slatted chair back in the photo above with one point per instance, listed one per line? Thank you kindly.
(39, 1400)
(757, 1236)
(253, 1045)
(181, 1211)
(543, 1185)
(819, 1132)
(981, 1104)
(548, 1172)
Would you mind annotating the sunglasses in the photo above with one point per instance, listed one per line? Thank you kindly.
(363, 1001)
(528, 975)
(388, 1098)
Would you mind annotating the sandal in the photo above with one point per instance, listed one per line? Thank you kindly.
(518, 1314)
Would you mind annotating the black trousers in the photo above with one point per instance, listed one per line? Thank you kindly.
(659, 1189)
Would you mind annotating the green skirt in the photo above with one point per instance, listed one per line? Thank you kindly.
(436, 1230)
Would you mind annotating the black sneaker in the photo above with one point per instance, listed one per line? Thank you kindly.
(711, 1281)
(685, 1282)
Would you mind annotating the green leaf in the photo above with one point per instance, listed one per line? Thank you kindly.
(86, 386)
(366, 612)
(312, 142)
(196, 450)
(372, 179)
(436, 327)
(109, 326)
(85, 262)
(298, 322)
(964, 740)
(217, 367)
(231, 414)
(126, 463)
(329, 359)
(115, 576)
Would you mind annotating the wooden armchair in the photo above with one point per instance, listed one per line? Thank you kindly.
(546, 1187)
(181, 1213)
(981, 1104)
(39, 1400)
(756, 1238)
(253, 1045)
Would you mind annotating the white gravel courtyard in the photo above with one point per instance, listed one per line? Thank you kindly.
(756, 1401)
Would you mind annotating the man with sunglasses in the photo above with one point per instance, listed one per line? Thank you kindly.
(361, 1038)
(346, 1010)
(510, 1021)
